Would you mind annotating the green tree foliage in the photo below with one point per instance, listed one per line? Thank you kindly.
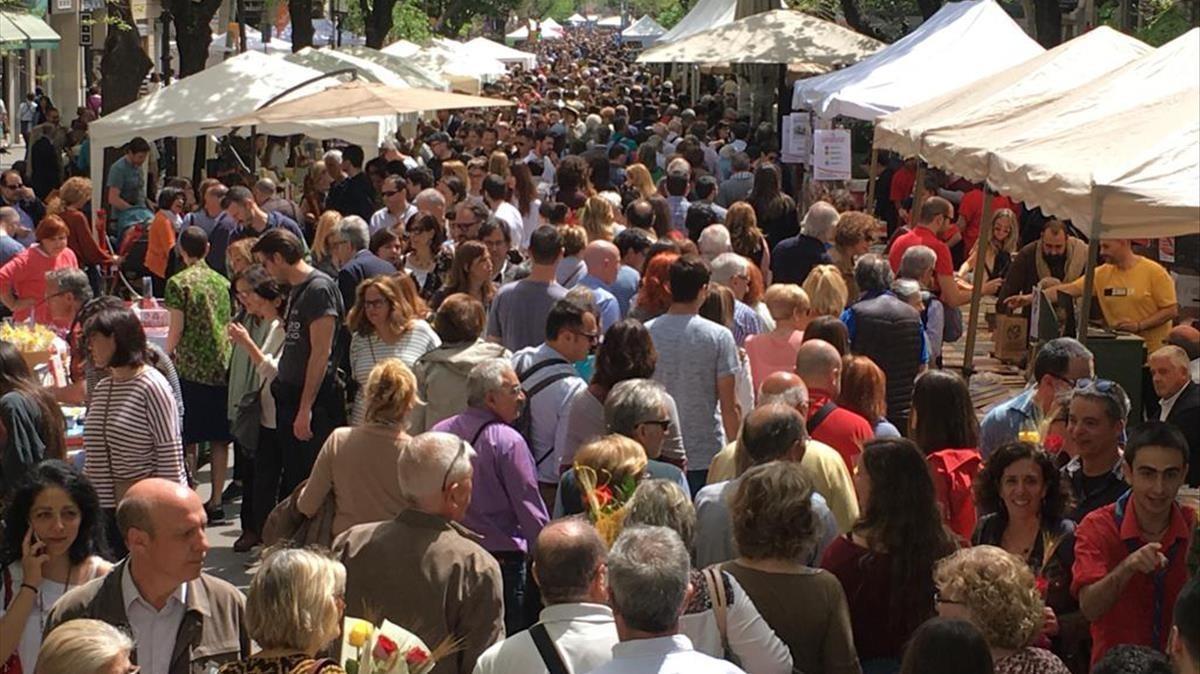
(408, 22)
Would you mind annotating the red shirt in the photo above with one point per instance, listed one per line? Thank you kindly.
(842, 429)
(902, 183)
(1100, 546)
(25, 275)
(954, 472)
(971, 210)
(866, 578)
(922, 236)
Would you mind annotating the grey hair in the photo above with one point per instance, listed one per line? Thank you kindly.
(906, 289)
(916, 261)
(714, 240)
(1176, 355)
(430, 196)
(291, 602)
(355, 231)
(70, 280)
(266, 186)
(820, 222)
(648, 570)
(727, 265)
(1055, 356)
(872, 273)
(793, 397)
(9, 215)
(1114, 398)
(429, 460)
(485, 377)
(632, 402)
(663, 503)
(335, 155)
(82, 645)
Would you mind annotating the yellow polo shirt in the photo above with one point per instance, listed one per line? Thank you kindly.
(1133, 295)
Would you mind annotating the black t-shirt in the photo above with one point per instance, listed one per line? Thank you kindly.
(316, 297)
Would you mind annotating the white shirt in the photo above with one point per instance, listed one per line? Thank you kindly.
(1169, 403)
(383, 218)
(511, 217)
(664, 655)
(1194, 369)
(750, 638)
(584, 635)
(154, 631)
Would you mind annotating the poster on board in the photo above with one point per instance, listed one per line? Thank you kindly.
(831, 154)
(797, 134)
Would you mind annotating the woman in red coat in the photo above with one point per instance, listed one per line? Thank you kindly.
(943, 425)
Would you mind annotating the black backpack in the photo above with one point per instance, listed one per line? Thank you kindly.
(524, 422)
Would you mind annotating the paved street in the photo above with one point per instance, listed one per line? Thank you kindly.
(222, 560)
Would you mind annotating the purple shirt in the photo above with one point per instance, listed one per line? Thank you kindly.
(506, 507)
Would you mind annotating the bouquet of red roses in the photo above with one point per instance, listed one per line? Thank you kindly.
(388, 649)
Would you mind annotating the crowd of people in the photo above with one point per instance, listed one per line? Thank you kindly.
(581, 389)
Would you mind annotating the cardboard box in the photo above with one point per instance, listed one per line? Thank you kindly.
(1011, 337)
(1187, 290)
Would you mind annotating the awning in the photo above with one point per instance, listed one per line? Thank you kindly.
(19, 30)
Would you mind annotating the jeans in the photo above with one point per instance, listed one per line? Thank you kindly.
(261, 491)
(328, 412)
(243, 470)
(512, 571)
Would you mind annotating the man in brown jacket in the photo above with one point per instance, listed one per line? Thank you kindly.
(182, 620)
(423, 570)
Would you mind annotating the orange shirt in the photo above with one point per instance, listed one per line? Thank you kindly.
(160, 243)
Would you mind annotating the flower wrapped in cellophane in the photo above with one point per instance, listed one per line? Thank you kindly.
(388, 649)
(605, 500)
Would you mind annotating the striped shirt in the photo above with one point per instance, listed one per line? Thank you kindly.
(368, 350)
(132, 432)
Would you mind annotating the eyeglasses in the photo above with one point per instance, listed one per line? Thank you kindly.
(465, 225)
(370, 304)
(462, 450)
(939, 599)
(14, 187)
(592, 337)
(663, 424)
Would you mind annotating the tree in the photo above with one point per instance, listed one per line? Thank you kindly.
(453, 15)
(1047, 23)
(193, 31)
(301, 13)
(124, 64)
(377, 20)
(928, 7)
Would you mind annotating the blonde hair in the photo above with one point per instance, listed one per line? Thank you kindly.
(643, 183)
(325, 225)
(826, 291)
(596, 218)
(497, 164)
(614, 457)
(240, 250)
(82, 646)
(457, 169)
(785, 300)
(999, 590)
(391, 393)
(292, 600)
(404, 304)
(1010, 244)
(574, 239)
(75, 190)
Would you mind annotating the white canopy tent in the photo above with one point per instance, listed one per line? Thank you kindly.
(396, 75)
(217, 49)
(576, 19)
(779, 36)
(550, 24)
(401, 48)
(193, 105)
(546, 33)
(609, 22)
(1042, 78)
(964, 42)
(461, 70)
(645, 30)
(483, 47)
(707, 14)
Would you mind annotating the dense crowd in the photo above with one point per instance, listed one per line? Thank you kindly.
(579, 389)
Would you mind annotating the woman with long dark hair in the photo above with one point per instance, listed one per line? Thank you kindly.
(425, 261)
(885, 563)
(943, 424)
(53, 539)
(33, 425)
(775, 210)
(470, 273)
(525, 198)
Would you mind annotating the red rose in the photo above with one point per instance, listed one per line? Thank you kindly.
(603, 495)
(1053, 443)
(1042, 586)
(416, 656)
(384, 647)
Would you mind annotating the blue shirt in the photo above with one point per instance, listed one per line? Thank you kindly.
(1003, 424)
(9, 247)
(745, 322)
(606, 302)
(127, 178)
(626, 287)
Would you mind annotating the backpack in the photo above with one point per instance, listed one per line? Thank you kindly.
(952, 319)
(524, 422)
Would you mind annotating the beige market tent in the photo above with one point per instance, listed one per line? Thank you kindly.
(777, 36)
(361, 99)
(707, 14)
(1044, 77)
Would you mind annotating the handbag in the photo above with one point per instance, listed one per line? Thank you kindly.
(247, 420)
(287, 523)
(720, 605)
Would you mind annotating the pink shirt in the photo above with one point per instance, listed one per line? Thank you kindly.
(769, 354)
(25, 275)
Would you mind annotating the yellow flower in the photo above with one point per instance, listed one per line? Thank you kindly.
(359, 633)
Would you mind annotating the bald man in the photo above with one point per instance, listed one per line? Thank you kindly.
(1186, 337)
(569, 565)
(822, 464)
(820, 366)
(603, 263)
(1179, 400)
(182, 619)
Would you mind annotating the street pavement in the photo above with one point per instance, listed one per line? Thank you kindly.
(222, 561)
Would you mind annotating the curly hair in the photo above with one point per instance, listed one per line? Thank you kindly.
(987, 483)
(772, 512)
(627, 352)
(854, 227)
(391, 393)
(999, 590)
(596, 218)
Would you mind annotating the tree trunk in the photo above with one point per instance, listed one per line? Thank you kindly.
(301, 12)
(1048, 23)
(193, 33)
(929, 7)
(378, 21)
(855, 20)
(756, 82)
(124, 64)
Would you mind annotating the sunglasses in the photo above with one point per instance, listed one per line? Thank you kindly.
(15, 187)
(663, 424)
(1101, 385)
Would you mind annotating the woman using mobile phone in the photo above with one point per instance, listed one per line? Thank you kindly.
(52, 541)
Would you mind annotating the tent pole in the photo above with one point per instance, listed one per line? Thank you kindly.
(1089, 274)
(918, 182)
(977, 281)
(872, 177)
